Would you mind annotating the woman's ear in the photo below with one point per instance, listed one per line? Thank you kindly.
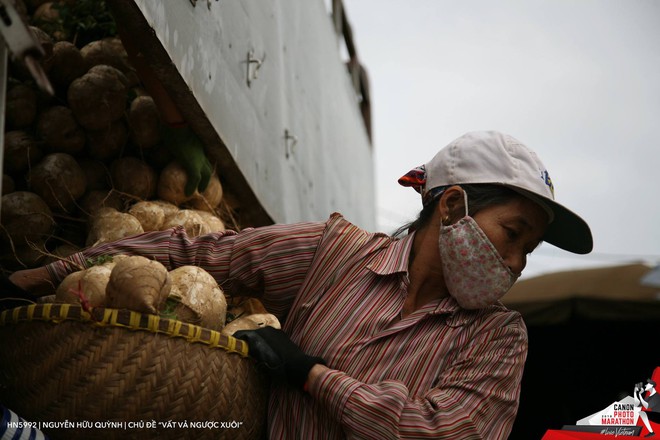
(452, 204)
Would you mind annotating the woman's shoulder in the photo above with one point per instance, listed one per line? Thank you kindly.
(338, 224)
(341, 232)
(497, 316)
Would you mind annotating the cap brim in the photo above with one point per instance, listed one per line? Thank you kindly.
(568, 230)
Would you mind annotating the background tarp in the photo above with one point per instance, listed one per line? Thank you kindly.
(593, 334)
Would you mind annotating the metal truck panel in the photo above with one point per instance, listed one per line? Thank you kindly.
(270, 79)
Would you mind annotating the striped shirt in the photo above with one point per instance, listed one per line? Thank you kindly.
(440, 372)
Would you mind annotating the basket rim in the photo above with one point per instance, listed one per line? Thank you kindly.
(103, 317)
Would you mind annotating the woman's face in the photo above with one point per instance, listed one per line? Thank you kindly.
(515, 228)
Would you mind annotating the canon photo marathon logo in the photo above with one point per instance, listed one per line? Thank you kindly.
(632, 416)
(621, 414)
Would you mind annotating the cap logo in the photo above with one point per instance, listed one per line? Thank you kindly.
(548, 181)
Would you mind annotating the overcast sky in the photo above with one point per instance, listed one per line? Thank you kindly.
(578, 81)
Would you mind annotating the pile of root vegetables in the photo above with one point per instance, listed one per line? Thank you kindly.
(88, 166)
(187, 293)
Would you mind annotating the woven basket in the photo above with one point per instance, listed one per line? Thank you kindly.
(117, 373)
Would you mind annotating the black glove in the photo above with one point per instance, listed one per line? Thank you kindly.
(188, 150)
(281, 356)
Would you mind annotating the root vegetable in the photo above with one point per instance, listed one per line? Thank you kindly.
(203, 300)
(25, 218)
(213, 222)
(21, 107)
(134, 177)
(251, 322)
(96, 173)
(64, 250)
(191, 221)
(71, 230)
(109, 51)
(30, 255)
(168, 208)
(151, 215)
(98, 97)
(46, 12)
(108, 142)
(210, 198)
(61, 133)
(139, 284)
(158, 156)
(32, 5)
(59, 180)
(94, 283)
(8, 185)
(91, 283)
(66, 64)
(110, 225)
(144, 122)
(47, 16)
(45, 41)
(171, 184)
(21, 152)
(91, 202)
(240, 306)
(70, 284)
(61, 252)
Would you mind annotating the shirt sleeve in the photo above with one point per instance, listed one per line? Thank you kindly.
(270, 262)
(476, 398)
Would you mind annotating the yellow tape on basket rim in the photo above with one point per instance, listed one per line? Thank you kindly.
(105, 317)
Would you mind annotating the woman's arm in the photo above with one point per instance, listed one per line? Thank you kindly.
(270, 261)
(475, 398)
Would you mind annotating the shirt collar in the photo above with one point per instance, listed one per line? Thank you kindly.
(446, 305)
(394, 258)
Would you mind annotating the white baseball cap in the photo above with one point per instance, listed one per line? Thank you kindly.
(497, 158)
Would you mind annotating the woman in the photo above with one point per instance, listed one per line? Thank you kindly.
(388, 337)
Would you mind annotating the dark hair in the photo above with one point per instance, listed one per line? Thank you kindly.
(480, 196)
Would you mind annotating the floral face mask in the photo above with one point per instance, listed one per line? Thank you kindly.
(475, 273)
